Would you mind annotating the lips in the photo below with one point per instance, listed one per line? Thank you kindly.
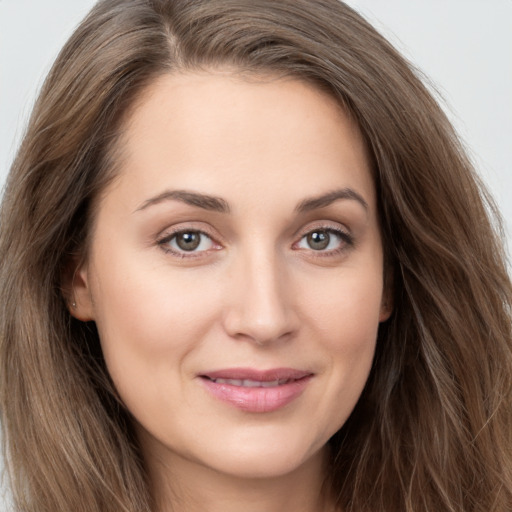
(248, 383)
(256, 391)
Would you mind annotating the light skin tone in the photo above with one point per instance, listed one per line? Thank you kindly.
(241, 232)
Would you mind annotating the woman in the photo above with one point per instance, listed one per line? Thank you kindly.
(246, 265)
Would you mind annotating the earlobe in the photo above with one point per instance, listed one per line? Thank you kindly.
(77, 292)
(387, 302)
(386, 308)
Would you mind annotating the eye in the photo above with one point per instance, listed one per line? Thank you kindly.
(187, 241)
(325, 240)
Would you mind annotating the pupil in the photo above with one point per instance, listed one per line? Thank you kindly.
(318, 240)
(188, 241)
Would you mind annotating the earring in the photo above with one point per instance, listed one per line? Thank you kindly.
(73, 304)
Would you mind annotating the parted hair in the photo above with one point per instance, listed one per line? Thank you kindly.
(432, 430)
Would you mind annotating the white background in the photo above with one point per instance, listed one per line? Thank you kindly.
(463, 46)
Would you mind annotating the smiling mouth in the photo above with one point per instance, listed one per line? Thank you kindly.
(256, 391)
(248, 383)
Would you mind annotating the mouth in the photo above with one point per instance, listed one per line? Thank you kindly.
(256, 391)
(248, 383)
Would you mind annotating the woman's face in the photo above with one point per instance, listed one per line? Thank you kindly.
(235, 272)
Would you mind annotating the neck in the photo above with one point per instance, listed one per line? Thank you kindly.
(180, 484)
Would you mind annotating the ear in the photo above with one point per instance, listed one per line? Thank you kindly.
(387, 303)
(76, 290)
(386, 308)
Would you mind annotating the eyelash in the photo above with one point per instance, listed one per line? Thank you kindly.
(346, 241)
(167, 238)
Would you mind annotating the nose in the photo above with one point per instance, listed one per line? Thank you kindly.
(261, 305)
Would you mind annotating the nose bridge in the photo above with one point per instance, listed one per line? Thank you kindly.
(260, 307)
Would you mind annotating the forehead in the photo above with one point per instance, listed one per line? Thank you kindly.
(222, 131)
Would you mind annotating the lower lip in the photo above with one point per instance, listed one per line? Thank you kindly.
(257, 399)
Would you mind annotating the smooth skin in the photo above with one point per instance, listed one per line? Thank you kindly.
(242, 231)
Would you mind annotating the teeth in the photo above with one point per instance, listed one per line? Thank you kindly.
(270, 384)
(247, 383)
(232, 382)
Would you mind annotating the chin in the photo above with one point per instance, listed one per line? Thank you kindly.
(272, 460)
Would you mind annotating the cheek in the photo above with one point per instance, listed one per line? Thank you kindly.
(150, 318)
(148, 328)
(346, 308)
(345, 315)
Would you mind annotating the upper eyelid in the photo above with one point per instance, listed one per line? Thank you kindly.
(183, 227)
(326, 225)
(343, 233)
(166, 239)
(328, 229)
(171, 234)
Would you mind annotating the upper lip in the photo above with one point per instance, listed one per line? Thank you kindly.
(257, 375)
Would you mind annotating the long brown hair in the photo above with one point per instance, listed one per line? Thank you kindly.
(432, 429)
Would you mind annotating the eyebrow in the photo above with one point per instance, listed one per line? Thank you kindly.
(217, 204)
(314, 203)
(204, 201)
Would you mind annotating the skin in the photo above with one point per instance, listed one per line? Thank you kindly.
(255, 293)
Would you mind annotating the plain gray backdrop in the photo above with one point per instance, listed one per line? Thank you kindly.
(463, 46)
